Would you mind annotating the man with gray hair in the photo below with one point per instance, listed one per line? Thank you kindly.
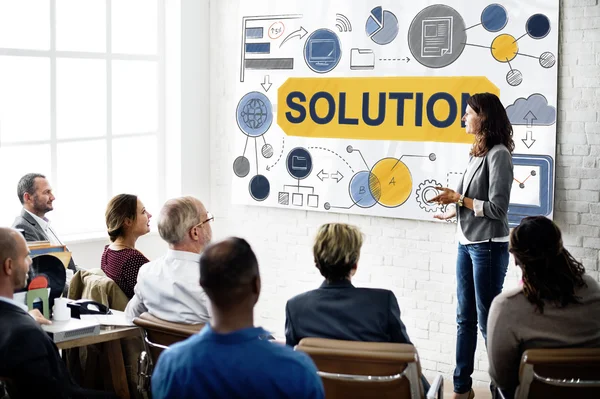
(168, 287)
(35, 193)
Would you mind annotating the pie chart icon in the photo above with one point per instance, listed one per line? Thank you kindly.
(382, 26)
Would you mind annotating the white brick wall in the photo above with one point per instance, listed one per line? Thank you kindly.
(414, 259)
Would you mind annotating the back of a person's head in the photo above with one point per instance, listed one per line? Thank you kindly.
(8, 246)
(120, 208)
(177, 217)
(228, 272)
(550, 272)
(337, 250)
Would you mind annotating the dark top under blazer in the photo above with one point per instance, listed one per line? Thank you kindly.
(30, 358)
(341, 311)
(32, 231)
(490, 181)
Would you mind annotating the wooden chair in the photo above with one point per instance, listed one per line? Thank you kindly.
(158, 335)
(559, 373)
(368, 369)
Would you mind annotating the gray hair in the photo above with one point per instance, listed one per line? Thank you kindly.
(177, 217)
(27, 185)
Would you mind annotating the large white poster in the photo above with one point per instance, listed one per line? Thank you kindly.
(356, 107)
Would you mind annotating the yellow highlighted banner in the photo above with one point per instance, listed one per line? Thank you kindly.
(385, 108)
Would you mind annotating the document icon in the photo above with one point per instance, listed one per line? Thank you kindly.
(362, 59)
(437, 36)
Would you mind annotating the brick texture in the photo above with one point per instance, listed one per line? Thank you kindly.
(416, 260)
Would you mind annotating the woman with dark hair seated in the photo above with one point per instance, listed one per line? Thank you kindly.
(337, 309)
(558, 305)
(126, 220)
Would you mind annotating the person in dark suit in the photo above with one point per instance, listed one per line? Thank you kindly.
(36, 196)
(31, 364)
(338, 309)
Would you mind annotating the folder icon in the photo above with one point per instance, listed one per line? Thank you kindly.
(362, 59)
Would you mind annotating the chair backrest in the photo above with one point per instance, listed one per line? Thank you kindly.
(365, 369)
(160, 334)
(560, 373)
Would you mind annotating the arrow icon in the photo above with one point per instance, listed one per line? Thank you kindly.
(300, 32)
(530, 117)
(337, 176)
(267, 83)
(407, 60)
(322, 175)
(528, 140)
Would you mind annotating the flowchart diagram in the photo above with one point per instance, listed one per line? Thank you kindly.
(359, 111)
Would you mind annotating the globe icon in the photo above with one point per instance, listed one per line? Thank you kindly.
(254, 113)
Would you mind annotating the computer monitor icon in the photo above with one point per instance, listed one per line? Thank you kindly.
(299, 163)
(323, 50)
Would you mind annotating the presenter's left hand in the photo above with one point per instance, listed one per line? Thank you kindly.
(447, 196)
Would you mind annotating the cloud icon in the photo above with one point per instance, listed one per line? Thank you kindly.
(531, 111)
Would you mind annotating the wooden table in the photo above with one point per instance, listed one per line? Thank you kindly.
(111, 340)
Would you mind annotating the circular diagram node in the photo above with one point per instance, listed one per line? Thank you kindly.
(547, 60)
(241, 166)
(322, 50)
(391, 182)
(494, 18)
(504, 48)
(254, 114)
(259, 188)
(365, 189)
(327, 206)
(538, 26)
(299, 163)
(514, 77)
(437, 36)
(267, 150)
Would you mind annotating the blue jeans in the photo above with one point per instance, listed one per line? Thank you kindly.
(480, 272)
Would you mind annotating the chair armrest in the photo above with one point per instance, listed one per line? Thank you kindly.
(436, 391)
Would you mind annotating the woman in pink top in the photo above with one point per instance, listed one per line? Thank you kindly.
(126, 220)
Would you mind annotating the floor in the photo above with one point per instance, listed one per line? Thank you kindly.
(480, 392)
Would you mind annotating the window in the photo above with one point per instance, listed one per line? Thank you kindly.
(83, 101)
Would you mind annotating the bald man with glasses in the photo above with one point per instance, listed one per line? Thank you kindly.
(168, 287)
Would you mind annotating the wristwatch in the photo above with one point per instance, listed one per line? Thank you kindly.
(461, 200)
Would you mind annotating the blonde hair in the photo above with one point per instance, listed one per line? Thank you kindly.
(337, 250)
(177, 217)
(120, 208)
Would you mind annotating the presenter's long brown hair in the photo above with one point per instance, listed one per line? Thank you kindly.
(550, 272)
(495, 127)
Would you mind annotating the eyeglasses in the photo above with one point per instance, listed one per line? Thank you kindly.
(209, 218)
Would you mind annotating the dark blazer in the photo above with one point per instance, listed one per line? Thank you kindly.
(341, 311)
(32, 231)
(29, 358)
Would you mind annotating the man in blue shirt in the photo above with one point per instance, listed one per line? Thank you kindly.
(230, 358)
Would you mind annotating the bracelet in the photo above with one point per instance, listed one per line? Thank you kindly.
(461, 200)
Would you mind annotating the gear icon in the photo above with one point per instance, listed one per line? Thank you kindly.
(425, 192)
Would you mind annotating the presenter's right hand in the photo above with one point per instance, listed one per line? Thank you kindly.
(449, 214)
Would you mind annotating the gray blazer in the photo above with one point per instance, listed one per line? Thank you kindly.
(490, 181)
(32, 231)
